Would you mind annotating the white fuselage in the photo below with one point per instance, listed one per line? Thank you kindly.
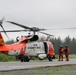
(34, 48)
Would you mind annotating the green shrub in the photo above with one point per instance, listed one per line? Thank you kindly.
(6, 58)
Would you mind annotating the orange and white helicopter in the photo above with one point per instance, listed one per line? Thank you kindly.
(28, 46)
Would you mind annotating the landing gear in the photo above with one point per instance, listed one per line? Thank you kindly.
(23, 58)
(26, 59)
(53, 57)
(49, 58)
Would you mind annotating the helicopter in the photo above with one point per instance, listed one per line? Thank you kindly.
(28, 46)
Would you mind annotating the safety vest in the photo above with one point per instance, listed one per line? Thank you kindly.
(61, 50)
(67, 50)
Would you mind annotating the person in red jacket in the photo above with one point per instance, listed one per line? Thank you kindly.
(61, 50)
(67, 50)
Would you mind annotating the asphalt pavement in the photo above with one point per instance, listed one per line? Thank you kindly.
(7, 66)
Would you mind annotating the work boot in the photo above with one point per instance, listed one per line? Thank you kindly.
(67, 60)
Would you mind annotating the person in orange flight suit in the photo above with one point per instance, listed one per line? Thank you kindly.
(67, 50)
(61, 50)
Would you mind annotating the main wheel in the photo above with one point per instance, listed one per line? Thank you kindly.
(22, 59)
(49, 58)
(26, 59)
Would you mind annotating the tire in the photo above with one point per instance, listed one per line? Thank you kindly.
(22, 59)
(49, 58)
(53, 57)
(26, 59)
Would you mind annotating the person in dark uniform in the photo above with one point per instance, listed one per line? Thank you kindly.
(61, 50)
(67, 51)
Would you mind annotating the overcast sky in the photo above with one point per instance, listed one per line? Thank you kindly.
(47, 14)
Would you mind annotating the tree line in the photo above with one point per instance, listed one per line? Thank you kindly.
(71, 42)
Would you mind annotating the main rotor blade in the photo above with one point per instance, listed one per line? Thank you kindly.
(19, 25)
(4, 31)
(34, 29)
(46, 34)
(70, 28)
(1, 21)
(13, 30)
(62, 28)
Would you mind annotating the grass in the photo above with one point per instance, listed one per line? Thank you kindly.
(6, 58)
(59, 70)
(72, 55)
